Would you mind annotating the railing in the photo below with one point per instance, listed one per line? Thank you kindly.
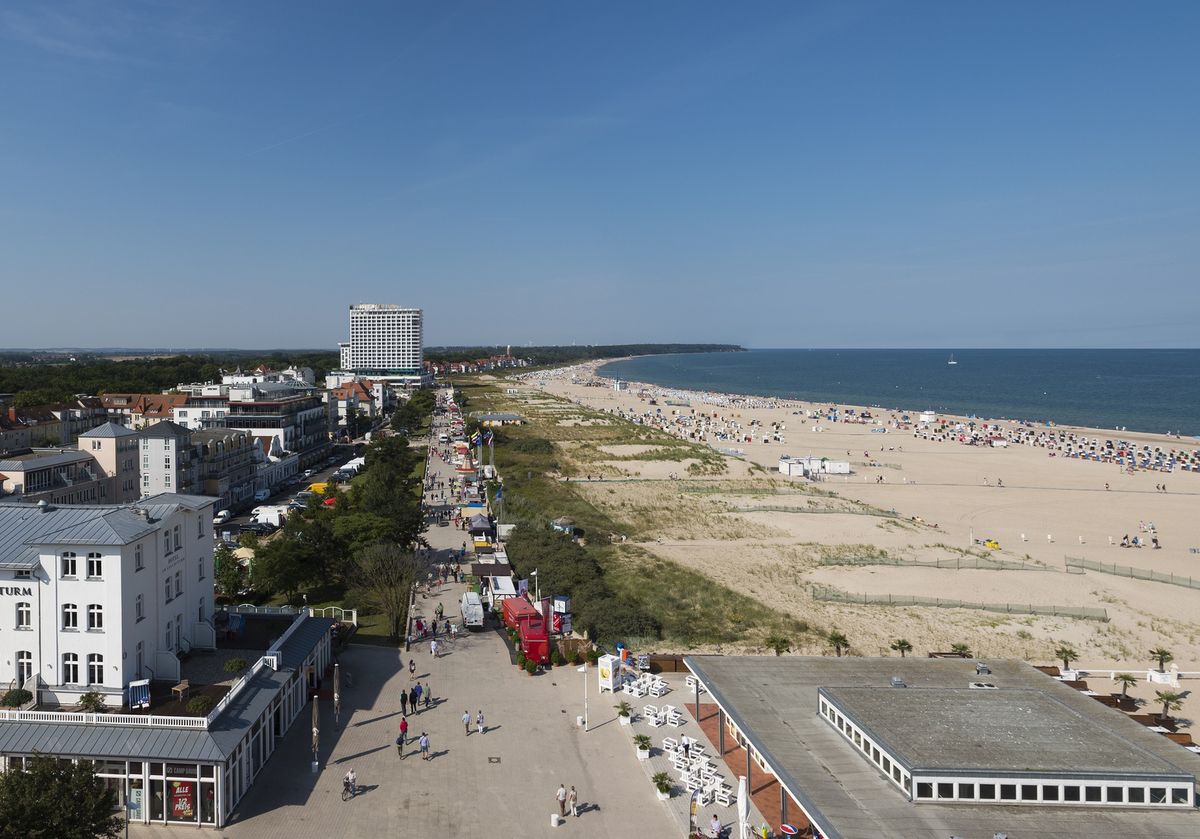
(336, 612)
(80, 718)
(234, 690)
(837, 596)
(1132, 573)
(970, 563)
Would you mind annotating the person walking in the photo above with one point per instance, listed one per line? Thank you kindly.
(479, 726)
(466, 719)
(433, 645)
(573, 802)
(412, 698)
(403, 738)
(412, 669)
(714, 827)
(561, 798)
(423, 745)
(426, 695)
(404, 703)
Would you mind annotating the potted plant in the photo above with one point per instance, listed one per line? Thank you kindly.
(91, 702)
(662, 783)
(530, 666)
(623, 711)
(521, 660)
(642, 741)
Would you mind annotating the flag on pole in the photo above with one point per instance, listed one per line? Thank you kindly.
(476, 439)
(499, 493)
(487, 438)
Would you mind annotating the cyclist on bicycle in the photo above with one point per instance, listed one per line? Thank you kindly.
(350, 782)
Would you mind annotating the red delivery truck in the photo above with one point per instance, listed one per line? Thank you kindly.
(517, 610)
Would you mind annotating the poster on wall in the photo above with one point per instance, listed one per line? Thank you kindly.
(183, 800)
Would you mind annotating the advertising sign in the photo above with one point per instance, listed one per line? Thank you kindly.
(183, 800)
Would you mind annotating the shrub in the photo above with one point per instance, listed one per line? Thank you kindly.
(556, 659)
(520, 659)
(200, 705)
(592, 656)
(92, 702)
(531, 667)
(16, 697)
(623, 708)
(235, 665)
(642, 741)
(577, 659)
(661, 781)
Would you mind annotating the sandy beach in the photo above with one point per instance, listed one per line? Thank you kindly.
(777, 537)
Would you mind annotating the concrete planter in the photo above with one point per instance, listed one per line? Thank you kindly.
(663, 796)
(643, 754)
(624, 720)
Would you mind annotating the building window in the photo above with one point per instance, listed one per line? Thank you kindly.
(95, 566)
(1008, 792)
(178, 537)
(139, 608)
(924, 790)
(167, 589)
(966, 791)
(138, 562)
(24, 667)
(199, 527)
(945, 790)
(68, 564)
(1137, 795)
(70, 669)
(200, 611)
(139, 661)
(70, 616)
(1050, 793)
(1092, 793)
(24, 616)
(1071, 793)
(95, 616)
(1029, 792)
(178, 583)
(167, 638)
(1179, 795)
(95, 666)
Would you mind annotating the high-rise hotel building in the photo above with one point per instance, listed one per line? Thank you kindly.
(386, 342)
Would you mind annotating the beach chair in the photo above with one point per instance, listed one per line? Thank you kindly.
(650, 710)
(670, 745)
(722, 795)
(657, 721)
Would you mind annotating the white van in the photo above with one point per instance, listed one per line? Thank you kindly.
(222, 517)
(472, 610)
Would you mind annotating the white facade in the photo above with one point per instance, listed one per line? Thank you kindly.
(384, 338)
(113, 598)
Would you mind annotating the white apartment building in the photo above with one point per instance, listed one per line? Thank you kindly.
(95, 596)
(385, 341)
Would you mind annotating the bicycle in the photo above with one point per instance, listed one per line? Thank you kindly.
(349, 790)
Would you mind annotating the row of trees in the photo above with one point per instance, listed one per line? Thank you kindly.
(42, 383)
(414, 413)
(361, 544)
(567, 355)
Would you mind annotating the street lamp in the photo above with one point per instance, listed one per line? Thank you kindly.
(537, 588)
(583, 670)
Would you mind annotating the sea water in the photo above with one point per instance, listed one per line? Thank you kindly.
(1142, 390)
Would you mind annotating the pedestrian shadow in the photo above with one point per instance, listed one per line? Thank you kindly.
(360, 754)
(488, 729)
(587, 807)
(433, 755)
(376, 719)
(363, 789)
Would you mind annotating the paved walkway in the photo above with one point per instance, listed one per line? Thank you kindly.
(499, 784)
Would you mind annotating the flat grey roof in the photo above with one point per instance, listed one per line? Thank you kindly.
(1017, 730)
(43, 459)
(773, 700)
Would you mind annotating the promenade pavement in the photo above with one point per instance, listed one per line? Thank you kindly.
(500, 784)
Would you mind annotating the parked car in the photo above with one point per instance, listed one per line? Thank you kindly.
(262, 495)
(222, 517)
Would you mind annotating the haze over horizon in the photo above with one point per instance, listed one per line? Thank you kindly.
(849, 174)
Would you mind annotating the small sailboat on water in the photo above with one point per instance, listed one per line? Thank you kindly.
(952, 361)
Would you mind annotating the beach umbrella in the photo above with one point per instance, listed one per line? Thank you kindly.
(316, 733)
(743, 806)
(337, 692)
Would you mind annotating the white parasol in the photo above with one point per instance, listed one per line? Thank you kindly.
(743, 807)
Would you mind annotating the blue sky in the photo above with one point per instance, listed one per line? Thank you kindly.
(772, 174)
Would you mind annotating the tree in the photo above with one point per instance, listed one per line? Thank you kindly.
(901, 646)
(779, 644)
(839, 641)
(1163, 656)
(963, 650)
(1067, 654)
(59, 800)
(1127, 681)
(1171, 701)
(228, 572)
(384, 574)
(390, 487)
